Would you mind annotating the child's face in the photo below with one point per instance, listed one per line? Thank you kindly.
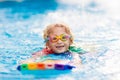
(57, 42)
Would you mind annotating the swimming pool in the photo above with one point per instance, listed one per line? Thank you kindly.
(95, 27)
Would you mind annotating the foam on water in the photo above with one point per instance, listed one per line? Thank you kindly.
(95, 25)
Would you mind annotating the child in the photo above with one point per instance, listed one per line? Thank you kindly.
(58, 39)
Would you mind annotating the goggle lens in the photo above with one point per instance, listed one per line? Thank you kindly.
(61, 37)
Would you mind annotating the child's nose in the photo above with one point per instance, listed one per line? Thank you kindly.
(59, 41)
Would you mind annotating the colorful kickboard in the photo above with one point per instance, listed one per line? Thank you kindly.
(43, 66)
(41, 70)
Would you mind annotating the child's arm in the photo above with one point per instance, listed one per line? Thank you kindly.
(33, 57)
(43, 52)
(37, 55)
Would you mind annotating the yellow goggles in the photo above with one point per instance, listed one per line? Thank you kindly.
(62, 37)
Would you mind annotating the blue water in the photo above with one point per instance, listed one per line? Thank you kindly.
(95, 26)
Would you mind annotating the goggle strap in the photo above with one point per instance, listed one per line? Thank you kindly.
(47, 39)
(68, 36)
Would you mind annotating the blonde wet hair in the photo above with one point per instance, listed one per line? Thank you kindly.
(49, 28)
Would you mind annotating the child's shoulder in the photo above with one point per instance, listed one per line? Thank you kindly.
(44, 51)
(47, 51)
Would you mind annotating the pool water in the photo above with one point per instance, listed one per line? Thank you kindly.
(95, 26)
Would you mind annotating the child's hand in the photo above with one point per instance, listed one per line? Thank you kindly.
(56, 61)
(27, 61)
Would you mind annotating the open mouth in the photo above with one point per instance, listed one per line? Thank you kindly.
(59, 47)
